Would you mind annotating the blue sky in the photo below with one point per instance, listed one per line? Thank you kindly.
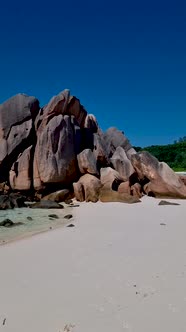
(125, 60)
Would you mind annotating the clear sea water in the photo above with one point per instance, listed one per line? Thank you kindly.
(40, 222)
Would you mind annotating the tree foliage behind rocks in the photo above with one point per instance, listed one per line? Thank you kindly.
(172, 154)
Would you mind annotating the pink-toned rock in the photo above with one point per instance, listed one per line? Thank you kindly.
(147, 190)
(64, 104)
(100, 150)
(95, 142)
(87, 188)
(110, 178)
(58, 196)
(58, 104)
(17, 115)
(114, 138)
(55, 158)
(124, 188)
(121, 163)
(109, 195)
(136, 190)
(87, 162)
(20, 175)
(183, 179)
(77, 110)
(163, 180)
(79, 191)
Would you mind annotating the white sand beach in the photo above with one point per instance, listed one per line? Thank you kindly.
(121, 268)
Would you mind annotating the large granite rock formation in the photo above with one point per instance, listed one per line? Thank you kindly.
(100, 150)
(87, 162)
(59, 139)
(20, 176)
(60, 146)
(161, 180)
(114, 138)
(16, 129)
(121, 163)
(64, 104)
(110, 178)
(87, 188)
(55, 159)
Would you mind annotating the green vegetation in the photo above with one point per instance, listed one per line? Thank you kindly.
(173, 154)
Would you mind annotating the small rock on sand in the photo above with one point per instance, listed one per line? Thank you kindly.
(68, 216)
(167, 203)
(54, 216)
(29, 218)
(6, 223)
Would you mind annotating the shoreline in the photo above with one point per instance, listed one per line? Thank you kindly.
(40, 222)
(31, 235)
(53, 226)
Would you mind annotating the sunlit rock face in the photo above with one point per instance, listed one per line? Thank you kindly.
(61, 146)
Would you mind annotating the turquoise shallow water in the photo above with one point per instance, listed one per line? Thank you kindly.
(40, 222)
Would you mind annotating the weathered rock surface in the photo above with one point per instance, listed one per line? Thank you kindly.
(124, 188)
(121, 163)
(53, 216)
(75, 109)
(78, 136)
(91, 123)
(6, 223)
(87, 188)
(55, 159)
(17, 200)
(87, 162)
(4, 188)
(5, 202)
(46, 149)
(11, 201)
(163, 181)
(58, 196)
(110, 178)
(79, 192)
(9, 223)
(114, 138)
(183, 178)
(21, 173)
(109, 195)
(100, 150)
(136, 190)
(64, 104)
(68, 216)
(16, 129)
(46, 205)
(29, 218)
(167, 203)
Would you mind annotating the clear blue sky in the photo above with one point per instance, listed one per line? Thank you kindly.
(125, 60)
